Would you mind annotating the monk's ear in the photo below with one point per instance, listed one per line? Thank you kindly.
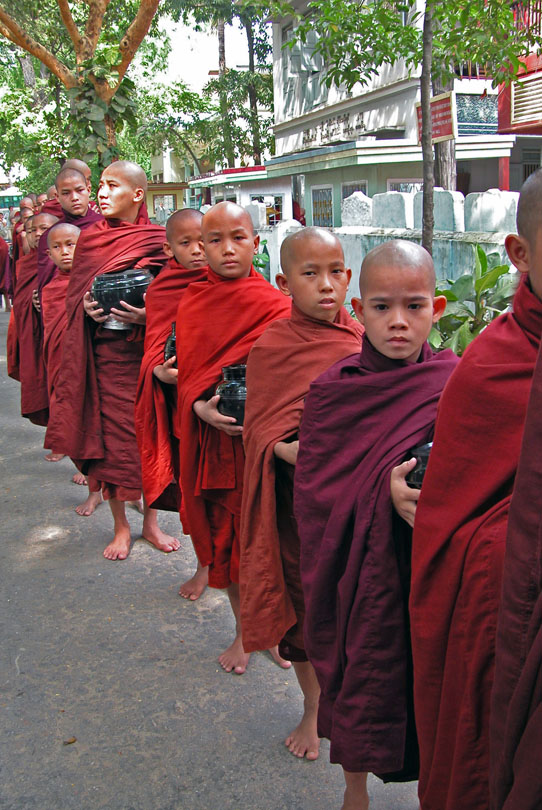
(256, 242)
(48, 253)
(166, 247)
(139, 195)
(282, 283)
(439, 305)
(518, 251)
(348, 274)
(357, 306)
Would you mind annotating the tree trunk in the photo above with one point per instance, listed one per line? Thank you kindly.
(111, 130)
(445, 163)
(252, 97)
(428, 221)
(226, 128)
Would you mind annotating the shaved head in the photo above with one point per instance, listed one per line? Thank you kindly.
(79, 165)
(301, 238)
(51, 193)
(45, 219)
(226, 210)
(67, 173)
(396, 253)
(180, 218)
(131, 172)
(29, 223)
(529, 207)
(27, 202)
(61, 230)
(26, 213)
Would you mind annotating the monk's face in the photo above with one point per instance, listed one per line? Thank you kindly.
(117, 196)
(61, 247)
(42, 199)
(42, 222)
(316, 277)
(185, 244)
(73, 195)
(398, 309)
(27, 202)
(30, 232)
(230, 243)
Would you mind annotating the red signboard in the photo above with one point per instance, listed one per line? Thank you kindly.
(443, 118)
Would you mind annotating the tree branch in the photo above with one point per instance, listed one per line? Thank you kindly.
(135, 34)
(12, 31)
(71, 27)
(97, 9)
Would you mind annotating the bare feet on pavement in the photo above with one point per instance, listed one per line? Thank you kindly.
(194, 587)
(137, 505)
(87, 507)
(235, 659)
(79, 478)
(304, 740)
(159, 539)
(119, 547)
(54, 457)
(278, 659)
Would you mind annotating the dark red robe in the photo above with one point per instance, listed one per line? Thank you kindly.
(361, 419)
(155, 406)
(54, 318)
(218, 321)
(458, 552)
(281, 366)
(516, 705)
(32, 373)
(4, 265)
(93, 421)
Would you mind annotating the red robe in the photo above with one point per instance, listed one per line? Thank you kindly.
(458, 550)
(54, 317)
(4, 266)
(33, 376)
(218, 321)
(93, 421)
(156, 403)
(516, 705)
(281, 366)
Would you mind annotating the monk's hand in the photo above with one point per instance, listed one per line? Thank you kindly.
(93, 309)
(404, 498)
(36, 300)
(208, 411)
(166, 373)
(130, 315)
(287, 451)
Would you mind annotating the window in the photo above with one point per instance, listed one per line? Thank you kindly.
(531, 162)
(408, 184)
(322, 206)
(348, 188)
(273, 206)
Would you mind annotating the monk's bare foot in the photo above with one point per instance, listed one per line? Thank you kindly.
(278, 659)
(79, 478)
(159, 539)
(194, 587)
(119, 547)
(235, 659)
(304, 740)
(54, 457)
(87, 507)
(137, 505)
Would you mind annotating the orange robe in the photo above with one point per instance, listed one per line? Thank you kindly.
(218, 321)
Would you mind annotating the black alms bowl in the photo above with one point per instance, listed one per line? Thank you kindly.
(110, 289)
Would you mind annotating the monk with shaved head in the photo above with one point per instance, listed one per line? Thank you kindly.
(218, 321)
(93, 420)
(361, 418)
(281, 365)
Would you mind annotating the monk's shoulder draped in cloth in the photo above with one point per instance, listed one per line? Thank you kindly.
(152, 417)
(46, 268)
(218, 321)
(75, 428)
(458, 549)
(361, 418)
(516, 706)
(33, 375)
(4, 266)
(54, 319)
(281, 366)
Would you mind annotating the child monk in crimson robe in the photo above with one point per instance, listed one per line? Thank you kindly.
(95, 390)
(460, 531)
(218, 321)
(281, 365)
(361, 418)
(156, 400)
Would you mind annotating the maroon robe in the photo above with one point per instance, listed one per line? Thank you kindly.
(361, 419)
(458, 552)
(516, 706)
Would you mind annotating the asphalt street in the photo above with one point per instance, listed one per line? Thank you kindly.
(111, 697)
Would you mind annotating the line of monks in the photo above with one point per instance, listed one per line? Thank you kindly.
(412, 621)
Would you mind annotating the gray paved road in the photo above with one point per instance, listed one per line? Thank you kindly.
(107, 653)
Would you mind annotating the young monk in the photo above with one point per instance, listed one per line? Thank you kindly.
(156, 400)
(360, 420)
(460, 531)
(281, 365)
(218, 321)
(95, 390)
(32, 372)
